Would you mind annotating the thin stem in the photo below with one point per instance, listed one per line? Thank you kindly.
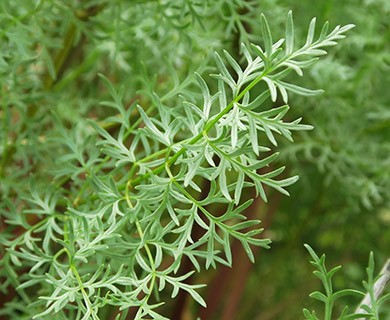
(208, 126)
(146, 246)
(82, 189)
(216, 221)
(62, 56)
(378, 287)
(84, 293)
(328, 310)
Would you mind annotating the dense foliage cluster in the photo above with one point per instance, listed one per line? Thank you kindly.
(135, 136)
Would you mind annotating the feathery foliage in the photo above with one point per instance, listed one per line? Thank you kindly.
(330, 295)
(106, 230)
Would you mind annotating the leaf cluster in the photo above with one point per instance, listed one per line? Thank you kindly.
(329, 297)
(115, 225)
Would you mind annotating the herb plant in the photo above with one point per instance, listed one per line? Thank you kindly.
(365, 311)
(104, 233)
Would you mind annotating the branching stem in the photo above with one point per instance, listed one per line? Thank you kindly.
(208, 126)
(146, 246)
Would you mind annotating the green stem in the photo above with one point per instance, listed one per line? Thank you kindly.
(62, 56)
(208, 126)
(84, 293)
(76, 200)
(146, 246)
(80, 283)
(328, 310)
(216, 221)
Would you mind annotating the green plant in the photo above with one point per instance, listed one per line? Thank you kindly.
(108, 235)
(370, 311)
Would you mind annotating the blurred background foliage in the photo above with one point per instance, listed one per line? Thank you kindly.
(52, 51)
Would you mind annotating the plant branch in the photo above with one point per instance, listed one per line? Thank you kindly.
(379, 286)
